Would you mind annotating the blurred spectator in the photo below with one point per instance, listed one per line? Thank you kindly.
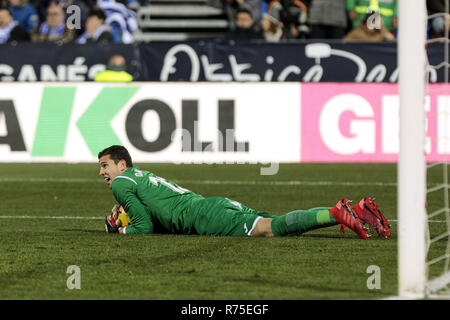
(293, 15)
(54, 28)
(437, 24)
(134, 4)
(129, 3)
(115, 71)
(272, 27)
(10, 30)
(245, 26)
(95, 29)
(328, 19)
(357, 10)
(83, 5)
(122, 20)
(366, 32)
(24, 13)
(230, 7)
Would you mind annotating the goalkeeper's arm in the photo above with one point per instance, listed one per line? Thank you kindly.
(125, 193)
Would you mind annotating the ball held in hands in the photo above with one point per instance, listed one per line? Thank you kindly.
(116, 219)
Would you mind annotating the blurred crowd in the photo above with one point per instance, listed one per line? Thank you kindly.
(114, 21)
(63, 21)
(349, 20)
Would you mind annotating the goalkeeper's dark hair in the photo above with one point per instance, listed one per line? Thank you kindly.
(116, 154)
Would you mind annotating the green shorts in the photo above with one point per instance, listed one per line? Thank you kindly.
(224, 217)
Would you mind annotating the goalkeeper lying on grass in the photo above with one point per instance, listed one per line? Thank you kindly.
(156, 205)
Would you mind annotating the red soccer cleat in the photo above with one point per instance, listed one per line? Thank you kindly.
(344, 215)
(367, 210)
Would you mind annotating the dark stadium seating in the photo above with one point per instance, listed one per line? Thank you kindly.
(179, 20)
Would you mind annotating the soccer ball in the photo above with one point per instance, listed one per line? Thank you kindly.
(123, 219)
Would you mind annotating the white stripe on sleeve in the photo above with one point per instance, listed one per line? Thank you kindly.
(124, 177)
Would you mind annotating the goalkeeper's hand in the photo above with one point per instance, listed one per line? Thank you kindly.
(109, 227)
(112, 222)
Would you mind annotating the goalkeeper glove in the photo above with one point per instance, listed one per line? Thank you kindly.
(112, 222)
(109, 227)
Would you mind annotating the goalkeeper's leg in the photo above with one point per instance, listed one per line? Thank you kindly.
(300, 221)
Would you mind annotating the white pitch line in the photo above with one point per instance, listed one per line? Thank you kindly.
(52, 217)
(220, 182)
(431, 221)
(290, 183)
(68, 180)
(101, 218)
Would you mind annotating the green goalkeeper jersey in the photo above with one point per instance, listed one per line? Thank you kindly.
(154, 204)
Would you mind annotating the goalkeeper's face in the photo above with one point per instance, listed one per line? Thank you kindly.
(109, 169)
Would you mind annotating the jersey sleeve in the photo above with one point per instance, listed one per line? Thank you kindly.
(125, 193)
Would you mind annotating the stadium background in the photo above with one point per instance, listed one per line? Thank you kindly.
(323, 110)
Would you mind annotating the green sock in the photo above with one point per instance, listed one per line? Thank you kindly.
(300, 221)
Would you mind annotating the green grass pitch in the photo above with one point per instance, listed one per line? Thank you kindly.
(52, 217)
